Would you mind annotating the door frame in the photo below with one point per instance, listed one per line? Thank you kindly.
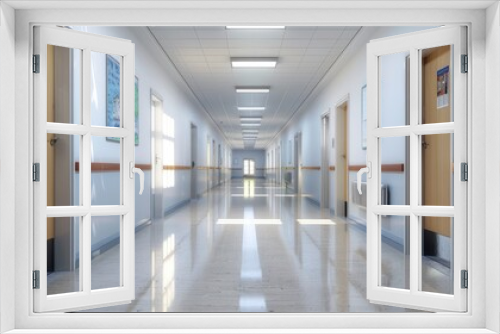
(342, 170)
(156, 153)
(325, 160)
(194, 163)
(297, 162)
(485, 233)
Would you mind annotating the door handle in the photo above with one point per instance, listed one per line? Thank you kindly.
(367, 170)
(134, 170)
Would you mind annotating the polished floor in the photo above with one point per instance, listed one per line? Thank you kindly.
(253, 246)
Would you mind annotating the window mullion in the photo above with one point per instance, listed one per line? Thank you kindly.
(414, 81)
(85, 176)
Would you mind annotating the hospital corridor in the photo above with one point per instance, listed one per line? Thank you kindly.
(241, 169)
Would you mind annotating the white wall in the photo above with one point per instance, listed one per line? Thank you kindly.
(259, 156)
(347, 82)
(155, 73)
(7, 167)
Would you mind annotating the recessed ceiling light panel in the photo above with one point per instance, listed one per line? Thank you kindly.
(251, 108)
(254, 62)
(254, 90)
(251, 119)
(250, 124)
(255, 27)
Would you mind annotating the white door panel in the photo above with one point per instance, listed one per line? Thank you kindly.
(77, 288)
(436, 137)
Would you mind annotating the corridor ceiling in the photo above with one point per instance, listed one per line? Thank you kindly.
(202, 56)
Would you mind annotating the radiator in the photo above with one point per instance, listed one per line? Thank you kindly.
(360, 200)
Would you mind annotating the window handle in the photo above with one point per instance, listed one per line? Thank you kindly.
(139, 171)
(367, 170)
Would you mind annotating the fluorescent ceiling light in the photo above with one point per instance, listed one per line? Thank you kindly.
(251, 108)
(252, 90)
(251, 119)
(255, 27)
(250, 124)
(250, 131)
(254, 62)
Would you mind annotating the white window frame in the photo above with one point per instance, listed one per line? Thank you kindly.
(414, 43)
(85, 297)
(475, 320)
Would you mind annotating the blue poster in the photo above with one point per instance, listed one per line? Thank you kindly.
(113, 98)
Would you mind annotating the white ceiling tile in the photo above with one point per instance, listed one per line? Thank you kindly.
(211, 34)
(254, 34)
(299, 33)
(202, 56)
(254, 43)
(192, 59)
(181, 43)
(292, 52)
(190, 52)
(322, 43)
(295, 43)
(313, 59)
(213, 43)
(215, 52)
(317, 52)
(218, 59)
(255, 52)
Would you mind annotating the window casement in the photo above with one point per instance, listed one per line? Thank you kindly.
(435, 133)
(24, 309)
(60, 54)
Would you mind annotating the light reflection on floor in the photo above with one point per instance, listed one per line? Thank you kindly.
(310, 262)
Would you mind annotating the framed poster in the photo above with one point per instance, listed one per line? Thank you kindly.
(443, 76)
(113, 108)
(113, 98)
(363, 117)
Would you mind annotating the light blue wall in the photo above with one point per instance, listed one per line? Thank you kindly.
(156, 74)
(347, 82)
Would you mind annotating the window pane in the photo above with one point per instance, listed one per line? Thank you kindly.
(106, 90)
(436, 85)
(106, 241)
(63, 255)
(437, 169)
(395, 252)
(393, 89)
(64, 91)
(394, 171)
(106, 168)
(437, 254)
(63, 169)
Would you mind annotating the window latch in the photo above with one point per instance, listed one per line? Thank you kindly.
(368, 171)
(134, 170)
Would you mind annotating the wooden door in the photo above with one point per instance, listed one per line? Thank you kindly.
(437, 167)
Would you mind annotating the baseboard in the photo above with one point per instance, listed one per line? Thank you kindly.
(386, 237)
(102, 247)
(177, 206)
(313, 201)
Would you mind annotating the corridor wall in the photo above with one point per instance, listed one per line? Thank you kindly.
(154, 72)
(346, 79)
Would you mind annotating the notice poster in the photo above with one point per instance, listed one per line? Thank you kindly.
(443, 93)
